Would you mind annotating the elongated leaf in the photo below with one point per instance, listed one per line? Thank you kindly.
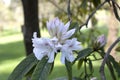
(84, 53)
(80, 62)
(69, 69)
(118, 49)
(115, 65)
(111, 69)
(42, 70)
(30, 71)
(52, 67)
(23, 68)
(90, 66)
(116, 11)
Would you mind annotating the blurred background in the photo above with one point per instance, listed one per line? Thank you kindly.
(12, 49)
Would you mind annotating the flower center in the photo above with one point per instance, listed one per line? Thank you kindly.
(71, 45)
(46, 44)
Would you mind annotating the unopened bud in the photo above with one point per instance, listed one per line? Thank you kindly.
(101, 40)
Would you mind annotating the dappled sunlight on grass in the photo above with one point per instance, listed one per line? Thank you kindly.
(12, 52)
(59, 70)
(7, 66)
(10, 39)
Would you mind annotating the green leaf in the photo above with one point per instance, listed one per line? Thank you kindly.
(23, 68)
(94, 56)
(90, 66)
(80, 62)
(115, 65)
(42, 70)
(69, 69)
(74, 25)
(29, 74)
(84, 53)
(96, 3)
(84, 6)
(81, 75)
(111, 69)
(52, 67)
(118, 49)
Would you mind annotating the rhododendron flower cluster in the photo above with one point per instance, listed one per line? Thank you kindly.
(59, 41)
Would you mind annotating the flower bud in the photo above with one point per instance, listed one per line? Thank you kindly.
(101, 40)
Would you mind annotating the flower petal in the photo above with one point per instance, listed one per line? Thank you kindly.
(66, 53)
(51, 57)
(68, 34)
(66, 27)
(35, 35)
(57, 21)
(62, 58)
(70, 57)
(44, 47)
(60, 30)
(38, 53)
(51, 28)
(101, 40)
(74, 44)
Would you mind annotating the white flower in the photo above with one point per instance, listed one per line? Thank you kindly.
(59, 42)
(101, 40)
(67, 49)
(57, 45)
(57, 29)
(43, 47)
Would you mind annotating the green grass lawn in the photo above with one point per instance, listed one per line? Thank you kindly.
(12, 52)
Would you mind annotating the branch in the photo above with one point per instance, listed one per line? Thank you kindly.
(68, 10)
(115, 3)
(115, 6)
(91, 15)
(102, 73)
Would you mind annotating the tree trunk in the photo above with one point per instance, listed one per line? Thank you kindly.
(113, 31)
(31, 23)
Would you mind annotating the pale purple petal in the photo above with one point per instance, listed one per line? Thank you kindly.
(66, 54)
(102, 40)
(38, 53)
(49, 27)
(70, 57)
(51, 57)
(58, 46)
(35, 35)
(66, 27)
(62, 58)
(57, 21)
(44, 47)
(68, 34)
(74, 44)
(60, 30)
